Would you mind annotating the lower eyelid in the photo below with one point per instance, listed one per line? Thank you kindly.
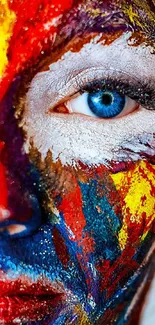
(62, 109)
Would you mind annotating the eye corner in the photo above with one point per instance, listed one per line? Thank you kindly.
(59, 109)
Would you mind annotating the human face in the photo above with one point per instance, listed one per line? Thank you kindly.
(77, 233)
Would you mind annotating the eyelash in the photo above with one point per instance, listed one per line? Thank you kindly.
(142, 95)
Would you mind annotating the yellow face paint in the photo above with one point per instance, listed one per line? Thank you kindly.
(7, 20)
(133, 16)
(135, 188)
(130, 11)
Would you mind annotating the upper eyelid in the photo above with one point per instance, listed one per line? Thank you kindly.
(52, 89)
(81, 81)
(85, 72)
(125, 88)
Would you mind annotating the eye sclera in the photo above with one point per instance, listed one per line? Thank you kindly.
(80, 105)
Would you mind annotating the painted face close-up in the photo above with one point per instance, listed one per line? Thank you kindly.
(77, 162)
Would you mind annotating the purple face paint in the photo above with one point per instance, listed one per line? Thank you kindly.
(77, 164)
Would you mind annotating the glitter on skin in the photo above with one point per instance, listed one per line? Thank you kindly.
(84, 206)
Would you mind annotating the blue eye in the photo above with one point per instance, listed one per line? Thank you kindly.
(106, 104)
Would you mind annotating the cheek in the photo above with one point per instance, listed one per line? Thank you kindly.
(78, 139)
(93, 141)
(136, 189)
(91, 199)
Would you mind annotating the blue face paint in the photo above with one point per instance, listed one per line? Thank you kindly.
(106, 104)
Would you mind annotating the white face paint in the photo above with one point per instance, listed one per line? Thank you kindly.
(72, 137)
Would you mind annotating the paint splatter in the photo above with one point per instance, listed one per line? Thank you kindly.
(76, 240)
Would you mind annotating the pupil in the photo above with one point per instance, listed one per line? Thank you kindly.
(106, 104)
(106, 99)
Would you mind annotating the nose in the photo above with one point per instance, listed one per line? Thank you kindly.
(12, 226)
(20, 213)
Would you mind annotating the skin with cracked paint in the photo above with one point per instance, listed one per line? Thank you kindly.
(77, 234)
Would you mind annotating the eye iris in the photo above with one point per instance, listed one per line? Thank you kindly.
(106, 104)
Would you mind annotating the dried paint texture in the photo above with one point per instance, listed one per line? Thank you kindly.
(7, 20)
(76, 194)
(138, 212)
(35, 31)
